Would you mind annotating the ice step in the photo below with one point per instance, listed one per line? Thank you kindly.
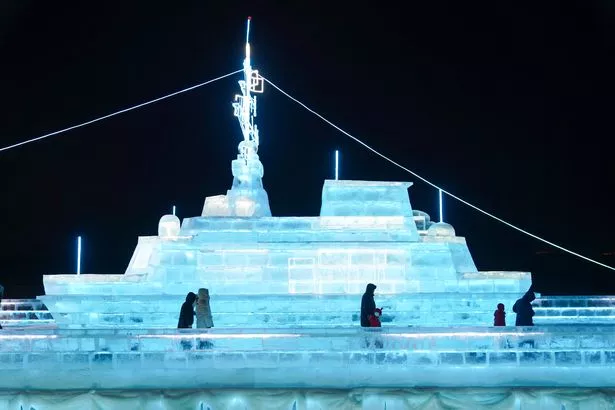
(574, 309)
(23, 312)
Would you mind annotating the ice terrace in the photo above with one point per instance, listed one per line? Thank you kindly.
(581, 356)
(550, 310)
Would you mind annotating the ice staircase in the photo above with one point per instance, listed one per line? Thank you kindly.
(573, 310)
(24, 312)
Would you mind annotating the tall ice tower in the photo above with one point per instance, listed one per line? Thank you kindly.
(247, 197)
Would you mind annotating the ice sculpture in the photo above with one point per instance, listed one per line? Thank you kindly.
(247, 197)
(289, 271)
(285, 297)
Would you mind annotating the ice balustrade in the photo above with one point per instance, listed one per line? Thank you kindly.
(579, 356)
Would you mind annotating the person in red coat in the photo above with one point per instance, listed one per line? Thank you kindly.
(499, 317)
(374, 320)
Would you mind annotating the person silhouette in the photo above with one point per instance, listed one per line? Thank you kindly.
(186, 313)
(368, 305)
(499, 316)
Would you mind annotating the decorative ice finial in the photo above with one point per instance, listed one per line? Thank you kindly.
(245, 104)
(247, 198)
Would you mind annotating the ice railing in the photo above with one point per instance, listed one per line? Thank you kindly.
(192, 226)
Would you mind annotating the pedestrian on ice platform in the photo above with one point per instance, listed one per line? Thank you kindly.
(186, 314)
(203, 310)
(499, 317)
(523, 309)
(368, 305)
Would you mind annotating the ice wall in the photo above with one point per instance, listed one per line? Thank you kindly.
(366, 233)
(564, 356)
(471, 308)
(327, 255)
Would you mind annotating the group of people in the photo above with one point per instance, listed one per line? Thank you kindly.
(370, 314)
(522, 307)
(196, 306)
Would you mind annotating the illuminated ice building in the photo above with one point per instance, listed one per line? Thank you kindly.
(285, 295)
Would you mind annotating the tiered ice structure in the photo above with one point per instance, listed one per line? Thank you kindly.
(285, 293)
(287, 271)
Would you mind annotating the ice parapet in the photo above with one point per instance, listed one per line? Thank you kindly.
(365, 198)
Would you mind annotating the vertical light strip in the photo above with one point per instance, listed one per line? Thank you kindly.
(440, 201)
(337, 164)
(79, 255)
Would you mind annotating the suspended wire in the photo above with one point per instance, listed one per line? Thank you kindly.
(104, 117)
(436, 186)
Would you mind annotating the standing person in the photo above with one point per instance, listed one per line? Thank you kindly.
(203, 310)
(368, 305)
(525, 314)
(203, 317)
(523, 309)
(186, 314)
(499, 316)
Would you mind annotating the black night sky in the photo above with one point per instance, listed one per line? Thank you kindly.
(509, 106)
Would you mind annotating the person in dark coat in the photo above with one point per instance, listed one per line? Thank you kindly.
(523, 309)
(186, 314)
(499, 316)
(368, 305)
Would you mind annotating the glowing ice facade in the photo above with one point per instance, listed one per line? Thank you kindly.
(289, 271)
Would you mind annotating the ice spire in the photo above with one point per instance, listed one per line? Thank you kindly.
(247, 197)
(245, 105)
